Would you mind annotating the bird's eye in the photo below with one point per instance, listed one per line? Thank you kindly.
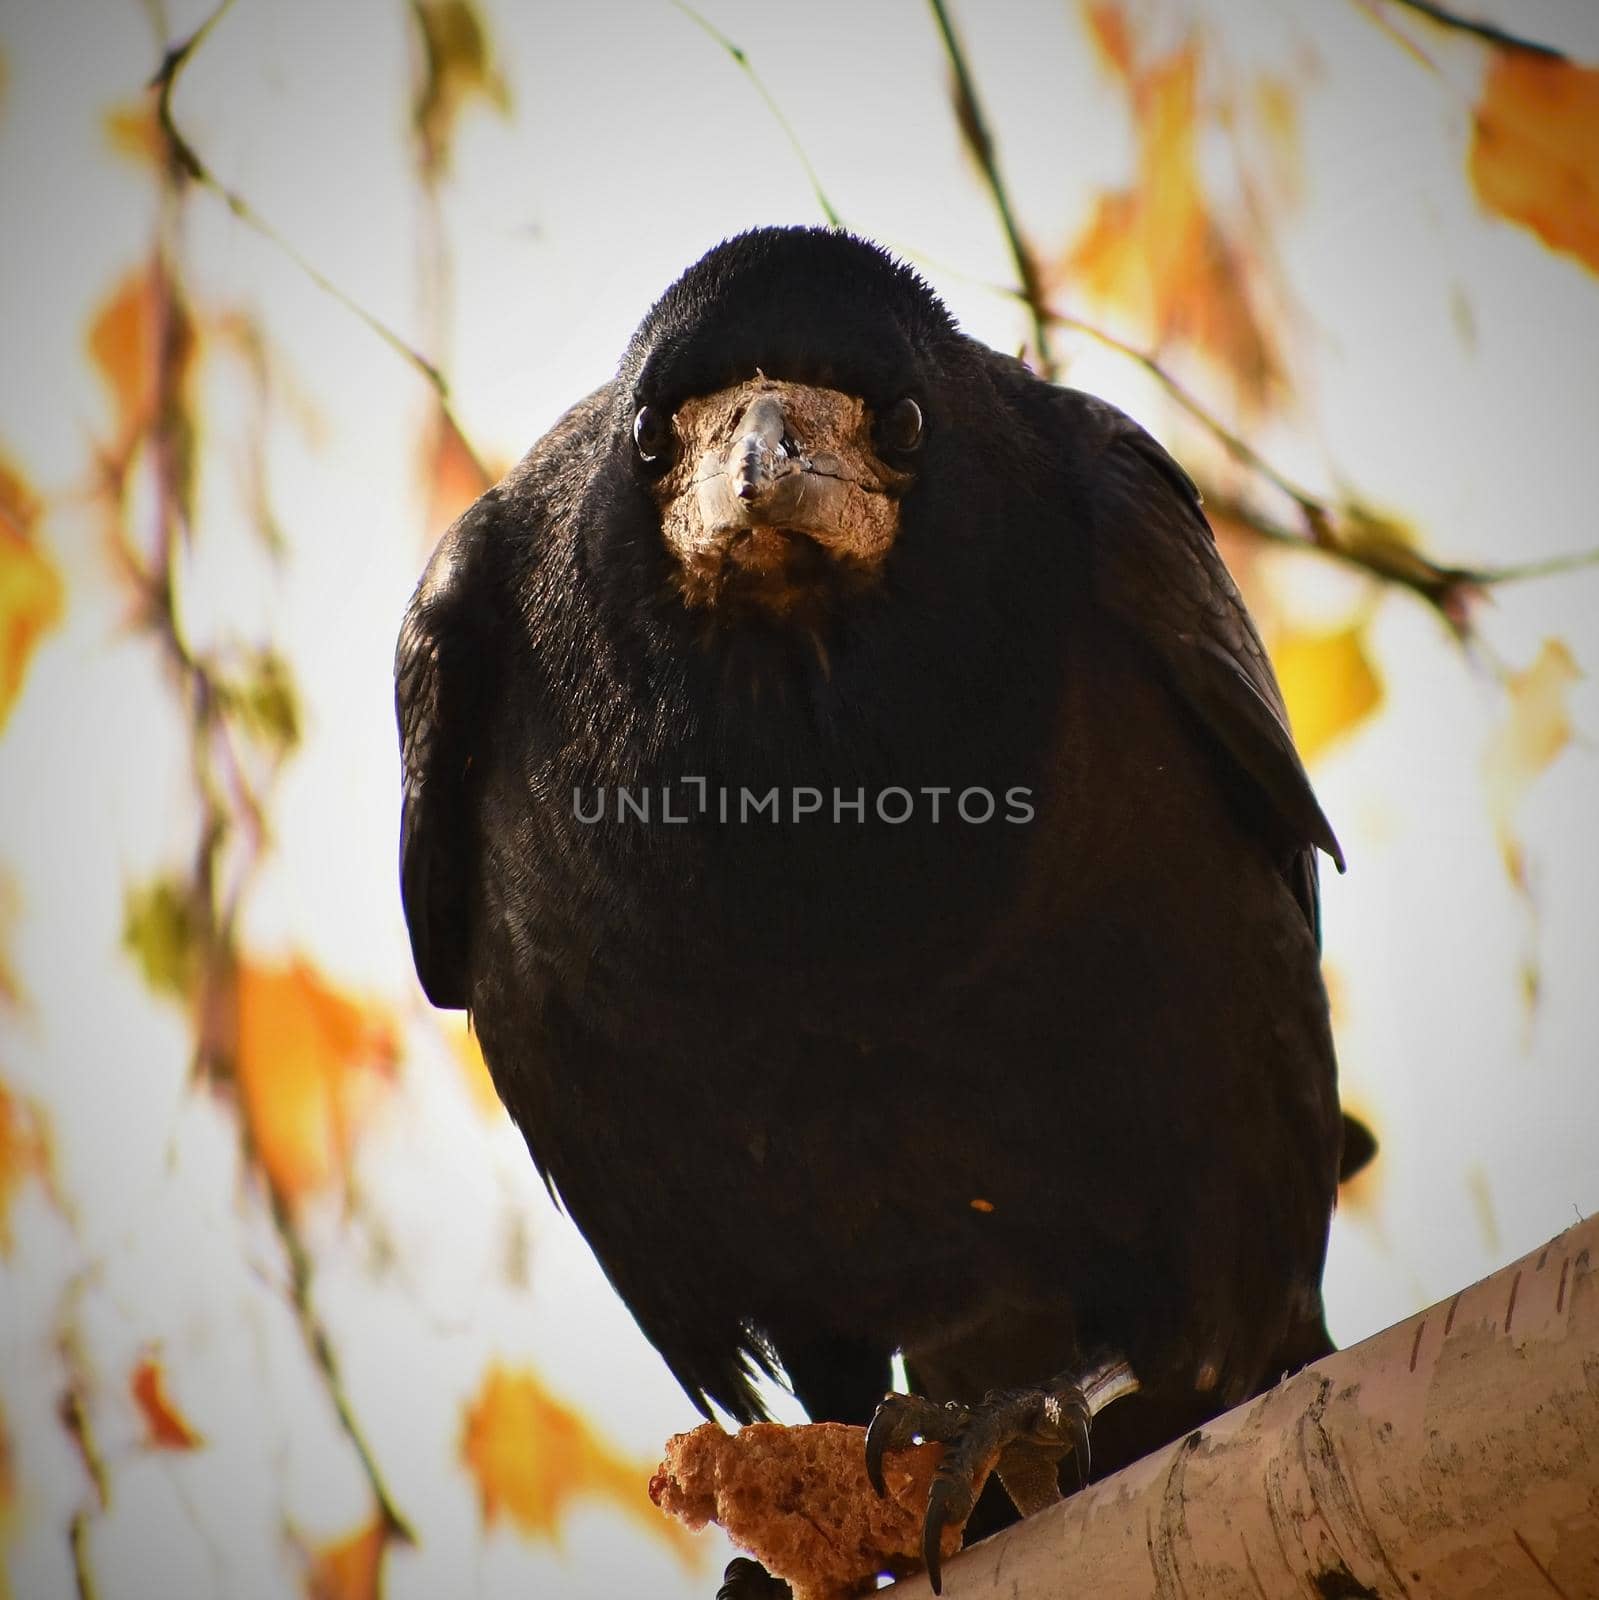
(652, 434)
(901, 425)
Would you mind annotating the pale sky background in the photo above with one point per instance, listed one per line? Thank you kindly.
(633, 145)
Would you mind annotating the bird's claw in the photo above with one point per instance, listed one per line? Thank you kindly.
(745, 1579)
(949, 1504)
(899, 1422)
(1022, 1433)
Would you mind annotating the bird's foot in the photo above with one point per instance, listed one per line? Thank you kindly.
(1023, 1434)
(745, 1579)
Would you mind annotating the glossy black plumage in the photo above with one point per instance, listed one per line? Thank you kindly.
(770, 1067)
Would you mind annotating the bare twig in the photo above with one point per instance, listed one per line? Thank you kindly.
(73, 1409)
(320, 1346)
(1233, 442)
(78, 1545)
(188, 161)
(232, 798)
(742, 61)
(1339, 529)
(1482, 30)
(974, 129)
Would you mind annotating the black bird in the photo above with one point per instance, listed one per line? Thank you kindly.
(960, 995)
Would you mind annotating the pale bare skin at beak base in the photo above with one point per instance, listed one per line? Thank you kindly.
(764, 470)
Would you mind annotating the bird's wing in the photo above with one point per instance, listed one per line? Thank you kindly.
(455, 630)
(1155, 567)
(439, 695)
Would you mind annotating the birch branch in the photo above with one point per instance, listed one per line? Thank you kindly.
(1453, 1457)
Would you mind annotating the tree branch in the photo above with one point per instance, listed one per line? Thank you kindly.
(1342, 530)
(744, 64)
(187, 160)
(1482, 30)
(975, 131)
(1456, 1453)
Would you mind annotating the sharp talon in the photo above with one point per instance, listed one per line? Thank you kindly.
(745, 1579)
(940, 1513)
(876, 1443)
(933, 1551)
(1081, 1453)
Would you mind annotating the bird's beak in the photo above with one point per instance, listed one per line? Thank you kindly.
(777, 489)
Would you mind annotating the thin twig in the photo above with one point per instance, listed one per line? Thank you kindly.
(1234, 443)
(230, 799)
(1482, 30)
(320, 1345)
(189, 162)
(742, 60)
(974, 129)
(1448, 588)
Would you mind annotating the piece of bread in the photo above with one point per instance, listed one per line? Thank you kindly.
(797, 1498)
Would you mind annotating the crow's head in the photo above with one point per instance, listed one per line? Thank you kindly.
(778, 403)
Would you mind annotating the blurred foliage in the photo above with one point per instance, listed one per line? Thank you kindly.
(532, 1456)
(350, 1568)
(1535, 729)
(1329, 683)
(24, 1156)
(311, 1064)
(458, 68)
(1158, 251)
(31, 594)
(302, 1065)
(160, 931)
(1535, 149)
(165, 1426)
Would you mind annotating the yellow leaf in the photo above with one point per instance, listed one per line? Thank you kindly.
(532, 1457)
(476, 1071)
(1329, 684)
(457, 68)
(1157, 251)
(350, 1568)
(31, 591)
(165, 1427)
(1537, 727)
(309, 1062)
(1535, 149)
(134, 130)
(24, 1155)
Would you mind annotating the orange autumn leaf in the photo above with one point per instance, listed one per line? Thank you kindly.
(1535, 149)
(1329, 683)
(309, 1062)
(456, 477)
(350, 1568)
(1156, 250)
(165, 1427)
(1536, 728)
(1107, 27)
(30, 588)
(532, 1457)
(142, 325)
(24, 1155)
